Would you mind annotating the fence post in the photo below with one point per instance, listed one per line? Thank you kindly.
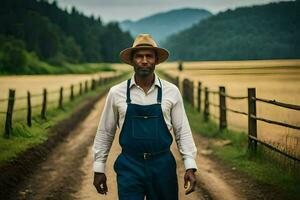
(72, 93)
(206, 105)
(199, 96)
(188, 89)
(180, 66)
(191, 84)
(99, 81)
(28, 109)
(252, 123)
(185, 89)
(61, 97)
(86, 86)
(44, 104)
(177, 82)
(222, 103)
(9, 113)
(93, 84)
(80, 89)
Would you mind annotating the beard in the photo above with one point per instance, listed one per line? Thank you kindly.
(144, 71)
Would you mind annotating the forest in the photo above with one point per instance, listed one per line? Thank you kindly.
(34, 33)
(269, 31)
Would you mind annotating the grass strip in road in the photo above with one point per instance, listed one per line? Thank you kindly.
(24, 137)
(258, 166)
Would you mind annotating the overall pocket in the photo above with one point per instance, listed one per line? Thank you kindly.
(145, 127)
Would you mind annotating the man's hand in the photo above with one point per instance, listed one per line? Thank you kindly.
(100, 183)
(189, 177)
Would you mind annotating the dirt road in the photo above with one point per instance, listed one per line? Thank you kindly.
(67, 172)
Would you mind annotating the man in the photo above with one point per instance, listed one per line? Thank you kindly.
(145, 108)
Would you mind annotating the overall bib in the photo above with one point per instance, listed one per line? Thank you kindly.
(146, 166)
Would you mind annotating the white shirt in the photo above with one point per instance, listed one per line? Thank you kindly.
(114, 111)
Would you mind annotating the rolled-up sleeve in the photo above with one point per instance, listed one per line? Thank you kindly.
(105, 133)
(183, 133)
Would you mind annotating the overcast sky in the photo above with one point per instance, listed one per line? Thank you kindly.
(119, 10)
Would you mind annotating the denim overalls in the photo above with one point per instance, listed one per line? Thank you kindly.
(146, 166)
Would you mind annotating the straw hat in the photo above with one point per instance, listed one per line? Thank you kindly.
(144, 41)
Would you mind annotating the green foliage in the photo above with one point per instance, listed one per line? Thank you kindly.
(113, 39)
(56, 36)
(260, 32)
(12, 55)
(15, 59)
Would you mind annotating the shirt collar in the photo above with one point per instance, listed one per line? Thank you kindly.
(156, 81)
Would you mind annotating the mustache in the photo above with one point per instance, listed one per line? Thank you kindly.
(145, 65)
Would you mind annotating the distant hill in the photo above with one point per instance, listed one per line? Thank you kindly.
(269, 31)
(164, 24)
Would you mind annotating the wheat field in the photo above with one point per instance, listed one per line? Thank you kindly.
(35, 84)
(273, 79)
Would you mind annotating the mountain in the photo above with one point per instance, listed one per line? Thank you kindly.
(270, 31)
(164, 24)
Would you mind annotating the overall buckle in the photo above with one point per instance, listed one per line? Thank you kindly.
(147, 156)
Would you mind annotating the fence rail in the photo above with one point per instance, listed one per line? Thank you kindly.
(36, 95)
(3, 100)
(277, 103)
(233, 97)
(273, 148)
(45, 100)
(36, 106)
(19, 109)
(236, 111)
(188, 95)
(275, 122)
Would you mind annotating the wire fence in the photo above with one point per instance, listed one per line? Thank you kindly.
(39, 103)
(188, 91)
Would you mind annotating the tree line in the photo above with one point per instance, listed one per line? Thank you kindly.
(269, 31)
(33, 30)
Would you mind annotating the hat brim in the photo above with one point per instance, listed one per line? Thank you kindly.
(162, 54)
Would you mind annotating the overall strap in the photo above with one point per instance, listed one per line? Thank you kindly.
(159, 92)
(128, 100)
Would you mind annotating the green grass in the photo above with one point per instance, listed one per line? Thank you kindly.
(24, 137)
(85, 68)
(36, 66)
(68, 68)
(256, 165)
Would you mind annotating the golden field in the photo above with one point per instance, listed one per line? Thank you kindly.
(35, 84)
(273, 79)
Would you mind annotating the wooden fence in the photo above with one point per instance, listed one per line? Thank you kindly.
(188, 94)
(45, 102)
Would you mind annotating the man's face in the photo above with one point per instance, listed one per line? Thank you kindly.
(144, 62)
